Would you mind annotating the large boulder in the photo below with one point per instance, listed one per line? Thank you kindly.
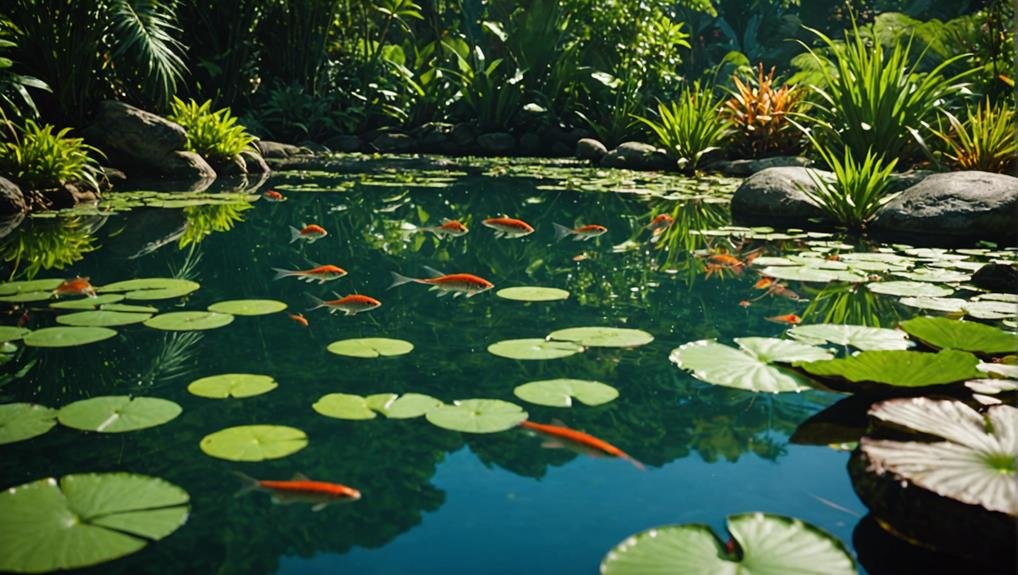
(748, 167)
(12, 201)
(775, 195)
(186, 166)
(590, 149)
(637, 156)
(998, 277)
(958, 205)
(269, 149)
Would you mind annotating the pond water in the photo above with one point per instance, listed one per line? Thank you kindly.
(434, 500)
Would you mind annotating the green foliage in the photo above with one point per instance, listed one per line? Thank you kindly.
(294, 34)
(38, 158)
(760, 113)
(859, 187)
(690, 126)
(487, 92)
(215, 135)
(292, 114)
(223, 46)
(984, 141)
(15, 100)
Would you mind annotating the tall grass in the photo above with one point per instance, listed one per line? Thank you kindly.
(689, 127)
(859, 189)
(984, 141)
(39, 158)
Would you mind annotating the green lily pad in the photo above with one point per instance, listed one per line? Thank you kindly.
(909, 288)
(533, 349)
(1009, 371)
(378, 401)
(85, 519)
(102, 318)
(1007, 297)
(27, 297)
(747, 368)
(254, 442)
(408, 406)
(602, 336)
(811, 274)
(12, 333)
(560, 392)
(935, 275)
(87, 302)
(946, 333)
(248, 306)
(858, 336)
(124, 307)
(532, 293)
(118, 413)
(28, 286)
(990, 309)
(899, 368)
(370, 347)
(189, 320)
(142, 284)
(236, 385)
(477, 415)
(344, 406)
(944, 304)
(769, 545)
(21, 421)
(67, 336)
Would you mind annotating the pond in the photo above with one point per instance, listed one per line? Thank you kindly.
(432, 499)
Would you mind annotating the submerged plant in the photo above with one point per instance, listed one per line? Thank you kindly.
(38, 158)
(985, 141)
(759, 114)
(215, 135)
(859, 187)
(690, 126)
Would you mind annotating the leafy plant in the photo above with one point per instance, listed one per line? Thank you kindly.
(40, 158)
(14, 95)
(985, 141)
(47, 244)
(215, 135)
(292, 114)
(487, 92)
(859, 187)
(690, 127)
(759, 114)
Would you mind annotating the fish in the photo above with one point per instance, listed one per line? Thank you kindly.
(77, 286)
(712, 269)
(310, 233)
(660, 223)
(579, 234)
(300, 489)
(789, 318)
(726, 260)
(781, 290)
(457, 284)
(562, 436)
(506, 227)
(350, 305)
(745, 303)
(320, 274)
(764, 283)
(299, 318)
(273, 196)
(453, 228)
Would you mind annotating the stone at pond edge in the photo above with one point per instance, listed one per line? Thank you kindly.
(497, 143)
(590, 149)
(637, 156)
(184, 165)
(140, 135)
(393, 142)
(748, 167)
(997, 277)
(773, 195)
(270, 149)
(12, 201)
(254, 162)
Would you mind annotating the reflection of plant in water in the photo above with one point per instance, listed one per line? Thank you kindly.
(681, 239)
(203, 220)
(48, 244)
(188, 269)
(174, 360)
(843, 303)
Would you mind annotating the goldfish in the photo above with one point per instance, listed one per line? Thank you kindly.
(764, 283)
(508, 227)
(310, 233)
(782, 290)
(456, 284)
(789, 318)
(76, 286)
(273, 196)
(660, 223)
(745, 303)
(453, 228)
(320, 274)
(579, 234)
(561, 436)
(299, 318)
(349, 305)
(727, 261)
(300, 489)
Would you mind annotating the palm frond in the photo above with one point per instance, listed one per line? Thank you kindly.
(143, 32)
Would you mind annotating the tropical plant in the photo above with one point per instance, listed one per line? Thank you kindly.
(15, 100)
(984, 141)
(291, 114)
(487, 93)
(859, 187)
(216, 136)
(294, 34)
(690, 127)
(759, 114)
(38, 158)
(611, 107)
(222, 47)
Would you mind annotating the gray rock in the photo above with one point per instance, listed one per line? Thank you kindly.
(997, 278)
(391, 142)
(590, 149)
(112, 176)
(902, 181)
(971, 205)
(136, 134)
(12, 201)
(637, 156)
(743, 168)
(235, 166)
(65, 196)
(530, 144)
(254, 162)
(276, 149)
(186, 166)
(497, 143)
(463, 135)
(775, 195)
(432, 134)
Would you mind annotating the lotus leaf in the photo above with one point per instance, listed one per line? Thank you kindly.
(344, 406)
(602, 336)
(560, 392)
(909, 288)
(720, 364)
(248, 306)
(236, 385)
(189, 320)
(858, 336)
(254, 442)
(477, 415)
(370, 347)
(67, 336)
(117, 413)
(102, 318)
(533, 349)
(899, 368)
(21, 421)
(408, 405)
(946, 333)
(532, 293)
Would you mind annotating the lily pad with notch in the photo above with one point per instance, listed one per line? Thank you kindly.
(254, 442)
(189, 321)
(67, 336)
(858, 336)
(749, 367)
(248, 306)
(370, 347)
(344, 406)
(534, 349)
(236, 385)
(946, 333)
(408, 406)
(892, 370)
(602, 336)
(21, 421)
(102, 318)
(117, 413)
(532, 294)
(909, 289)
(561, 392)
(477, 415)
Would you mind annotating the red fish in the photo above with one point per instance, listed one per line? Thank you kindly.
(764, 283)
(453, 228)
(456, 284)
(660, 223)
(299, 318)
(789, 318)
(726, 260)
(580, 233)
(320, 274)
(349, 305)
(76, 286)
(781, 290)
(561, 436)
(274, 196)
(309, 233)
(300, 489)
(508, 227)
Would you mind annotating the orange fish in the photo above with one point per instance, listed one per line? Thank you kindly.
(712, 269)
(456, 284)
(745, 303)
(764, 283)
(782, 290)
(453, 228)
(300, 489)
(274, 196)
(349, 305)
(508, 227)
(76, 286)
(299, 318)
(320, 274)
(580, 233)
(561, 436)
(660, 223)
(790, 319)
(309, 233)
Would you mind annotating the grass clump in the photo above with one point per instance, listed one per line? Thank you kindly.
(39, 158)
(689, 127)
(984, 141)
(859, 188)
(216, 136)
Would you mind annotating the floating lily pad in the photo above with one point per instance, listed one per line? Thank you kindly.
(12, 333)
(370, 347)
(990, 309)
(602, 336)
(248, 306)
(151, 288)
(858, 336)
(1007, 297)
(768, 544)
(27, 286)
(533, 349)
(102, 318)
(67, 336)
(189, 320)
(21, 421)
(85, 519)
(27, 297)
(811, 274)
(1002, 369)
(899, 368)
(477, 415)
(560, 392)
(236, 385)
(946, 333)
(747, 368)
(254, 442)
(118, 413)
(936, 275)
(992, 386)
(129, 308)
(909, 288)
(344, 406)
(944, 304)
(378, 401)
(408, 405)
(87, 302)
(532, 293)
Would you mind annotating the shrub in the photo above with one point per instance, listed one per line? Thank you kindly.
(759, 114)
(985, 141)
(689, 127)
(859, 187)
(216, 136)
(40, 159)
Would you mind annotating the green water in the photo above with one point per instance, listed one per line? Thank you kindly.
(436, 501)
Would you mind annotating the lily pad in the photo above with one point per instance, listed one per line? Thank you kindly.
(811, 274)
(560, 392)
(85, 519)
(126, 307)
(769, 545)
(602, 336)
(344, 406)
(102, 318)
(946, 333)
(990, 309)
(236, 385)
(87, 302)
(21, 421)
(532, 293)
(370, 347)
(909, 288)
(748, 368)
(858, 336)
(1009, 371)
(477, 415)
(254, 442)
(27, 286)
(118, 413)
(944, 304)
(12, 333)
(189, 320)
(27, 297)
(533, 349)
(142, 284)
(936, 275)
(899, 368)
(248, 306)
(408, 405)
(67, 336)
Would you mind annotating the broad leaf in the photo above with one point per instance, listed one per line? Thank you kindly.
(118, 413)
(858, 336)
(236, 385)
(560, 392)
(720, 364)
(602, 336)
(21, 421)
(534, 349)
(371, 347)
(477, 415)
(963, 335)
(254, 442)
(899, 368)
(344, 406)
(102, 318)
(248, 306)
(189, 320)
(67, 336)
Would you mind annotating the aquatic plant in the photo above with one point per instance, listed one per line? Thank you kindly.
(204, 220)
(985, 140)
(216, 136)
(689, 127)
(38, 158)
(858, 190)
(50, 244)
(759, 113)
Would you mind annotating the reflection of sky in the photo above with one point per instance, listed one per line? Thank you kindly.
(495, 522)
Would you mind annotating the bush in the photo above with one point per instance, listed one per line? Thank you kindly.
(985, 141)
(216, 136)
(40, 159)
(859, 187)
(690, 127)
(760, 113)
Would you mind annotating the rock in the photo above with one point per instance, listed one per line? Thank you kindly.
(132, 132)
(497, 143)
(254, 162)
(743, 168)
(637, 156)
(590, 149)
(997, 277)
(463, 135)
(186, 166)
(901, 181)
(967, 205)
(276, 149)
(12, 201)
(530, 144)
(112, 177)
(393, 142)
(65, 196)
(235, 166)
(775, 195)
(346, 143)
(560, 150)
